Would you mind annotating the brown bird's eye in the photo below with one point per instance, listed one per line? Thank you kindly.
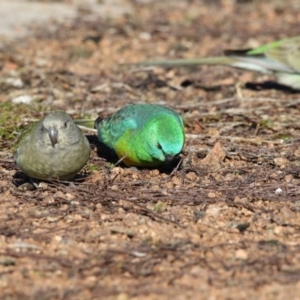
(66, 124)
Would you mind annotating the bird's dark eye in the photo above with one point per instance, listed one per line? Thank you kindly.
(66, 124)
(159, 146)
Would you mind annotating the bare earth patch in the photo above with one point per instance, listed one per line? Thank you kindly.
(224, 225)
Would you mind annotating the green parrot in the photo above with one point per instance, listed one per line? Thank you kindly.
(281, 58)
(52, 148)
(143, 135)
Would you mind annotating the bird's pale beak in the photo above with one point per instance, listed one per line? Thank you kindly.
(53, 135)
(169, 158)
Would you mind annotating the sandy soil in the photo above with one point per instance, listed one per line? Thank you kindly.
(18, 18)
(224, 225)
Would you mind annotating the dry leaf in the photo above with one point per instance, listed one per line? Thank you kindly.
(215, 157)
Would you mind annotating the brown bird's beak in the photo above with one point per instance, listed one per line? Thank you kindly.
(53, 134)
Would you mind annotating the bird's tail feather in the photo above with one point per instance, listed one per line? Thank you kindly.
(85, 122)
(219, 60)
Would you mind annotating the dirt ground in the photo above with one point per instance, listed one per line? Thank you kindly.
(224, 225)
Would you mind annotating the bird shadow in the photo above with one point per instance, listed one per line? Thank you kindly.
(102, 150)
(270, 85)
(255, 86)
(170, 167)
(20, 179)
(26, 183)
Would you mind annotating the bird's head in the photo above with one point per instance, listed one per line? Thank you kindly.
(57, 128)
(167, 137)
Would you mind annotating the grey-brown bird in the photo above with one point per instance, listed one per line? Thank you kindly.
(52, 148)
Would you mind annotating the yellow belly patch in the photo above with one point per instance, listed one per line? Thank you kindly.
(127, 151)
(124, 150)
